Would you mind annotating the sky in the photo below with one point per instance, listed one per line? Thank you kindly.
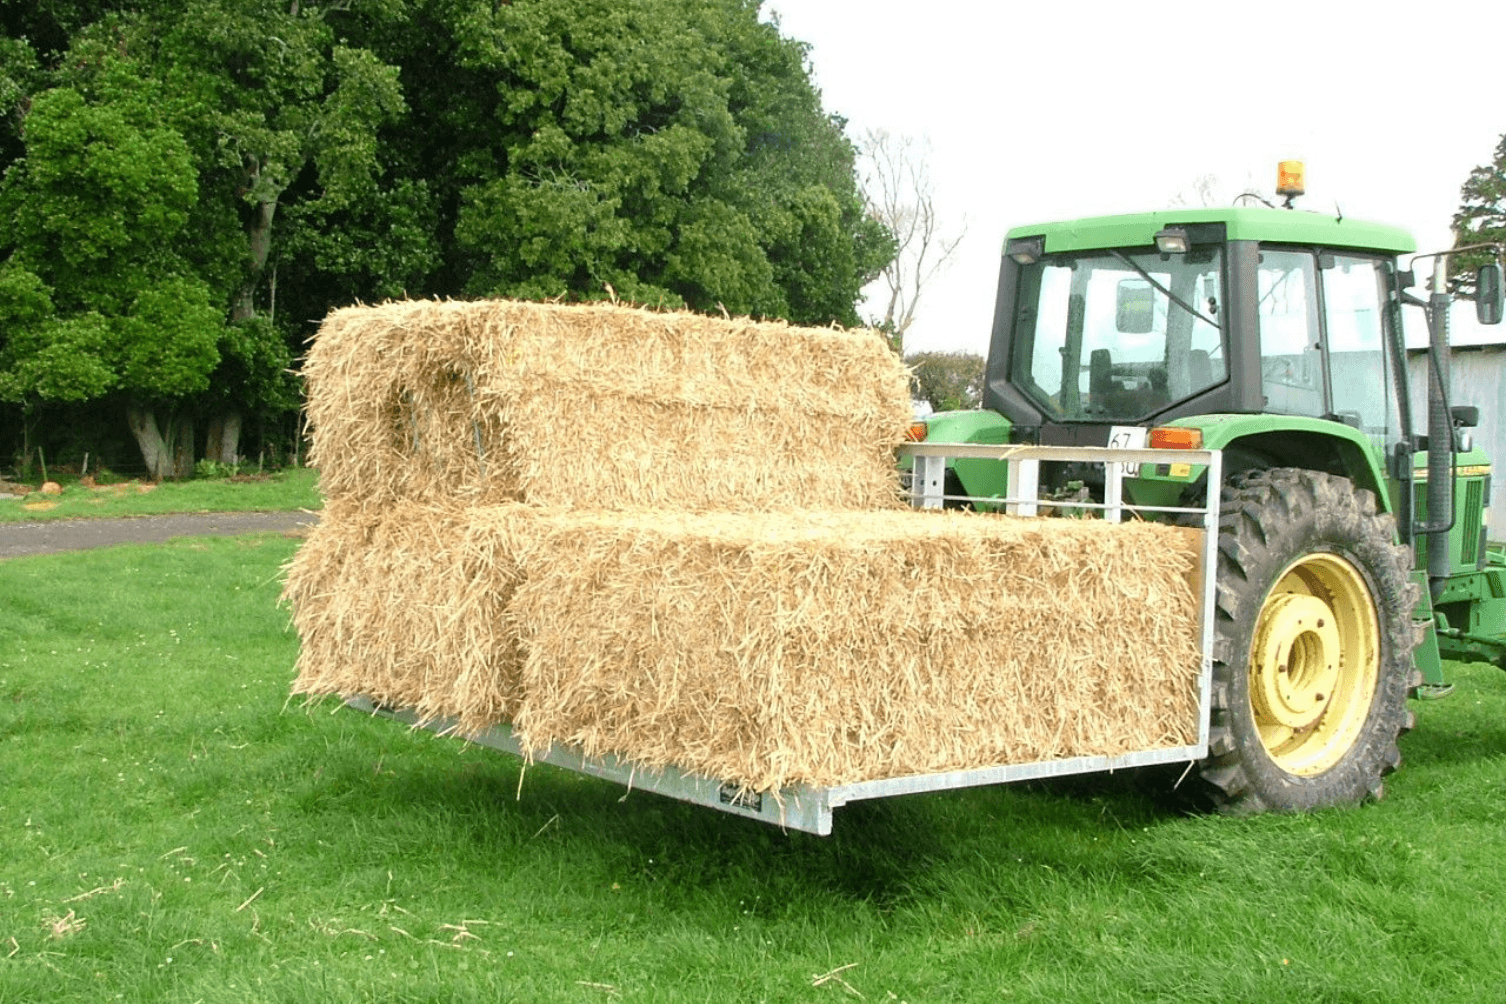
(1035, 112)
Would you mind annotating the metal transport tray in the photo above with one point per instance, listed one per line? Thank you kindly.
(810, 809)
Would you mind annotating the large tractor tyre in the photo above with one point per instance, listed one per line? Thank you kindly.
(1313, 639)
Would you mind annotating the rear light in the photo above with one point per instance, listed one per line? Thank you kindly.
(1172, 437)
(917, 432)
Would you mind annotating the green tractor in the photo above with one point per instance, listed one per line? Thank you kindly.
(1352, 552)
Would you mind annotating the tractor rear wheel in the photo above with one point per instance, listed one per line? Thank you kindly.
(1313, 638)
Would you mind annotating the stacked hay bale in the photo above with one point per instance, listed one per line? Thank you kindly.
(680, 540)
(600, 406)
(843, 647)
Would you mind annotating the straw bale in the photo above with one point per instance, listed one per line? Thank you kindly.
(843, 647)
(601, 406)
(679, 540)
(408, 609)
(763, 649)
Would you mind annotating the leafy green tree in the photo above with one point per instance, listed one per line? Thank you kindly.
(948, 381)
(189, 186)
(273, 98)
(94, 211)
(261, 107)
(673, 150)
(284, 112)
(20, 75)
(1481, 217)
(42, 357)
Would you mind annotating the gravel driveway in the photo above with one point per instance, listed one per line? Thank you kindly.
(49, 536)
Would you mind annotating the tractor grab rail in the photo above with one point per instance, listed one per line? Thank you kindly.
(926, 486)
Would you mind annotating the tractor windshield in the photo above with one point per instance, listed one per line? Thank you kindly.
(1112, 336)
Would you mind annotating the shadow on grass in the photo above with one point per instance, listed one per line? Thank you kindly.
(490, 811)
(1439, 746)
(875, 854)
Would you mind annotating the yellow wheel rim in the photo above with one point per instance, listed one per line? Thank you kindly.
(1314, 663)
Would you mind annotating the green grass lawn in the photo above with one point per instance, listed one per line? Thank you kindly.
(173, 829)
(284, 491)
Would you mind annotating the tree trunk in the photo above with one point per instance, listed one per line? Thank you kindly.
(155, 450)
(167, 448)
(212, 437)
(259, 239)
(182, 444)
(222, 442)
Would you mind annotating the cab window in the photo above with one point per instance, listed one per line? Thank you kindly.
(1119, 336)
(1360, 381)
(1291, 356)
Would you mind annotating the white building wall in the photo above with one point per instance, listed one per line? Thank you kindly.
(1478, 377)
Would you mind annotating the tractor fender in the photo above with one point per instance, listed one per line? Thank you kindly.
(983, 478)
(1260, 442)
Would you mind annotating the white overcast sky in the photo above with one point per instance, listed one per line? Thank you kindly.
(1057, 110)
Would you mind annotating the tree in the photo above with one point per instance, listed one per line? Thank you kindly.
(674, 150)
(1210, 189)
(1202, 192)
(285, 116)
(189, 186)
(900, 197)
(184, 130)
(947, 381)
(277, 98)
(1481, 218)
(95, 209)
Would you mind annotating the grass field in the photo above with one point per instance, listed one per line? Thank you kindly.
(285, 491)
(172, 829)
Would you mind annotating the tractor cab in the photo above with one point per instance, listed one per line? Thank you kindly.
(1270, 334)
(1173, 318)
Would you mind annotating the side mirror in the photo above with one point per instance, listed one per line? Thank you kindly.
(1488, 294)
(1135, 307)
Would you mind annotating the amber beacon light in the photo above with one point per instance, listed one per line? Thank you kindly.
(1291, 180)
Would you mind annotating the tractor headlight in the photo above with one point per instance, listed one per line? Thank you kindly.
(1026, 250)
